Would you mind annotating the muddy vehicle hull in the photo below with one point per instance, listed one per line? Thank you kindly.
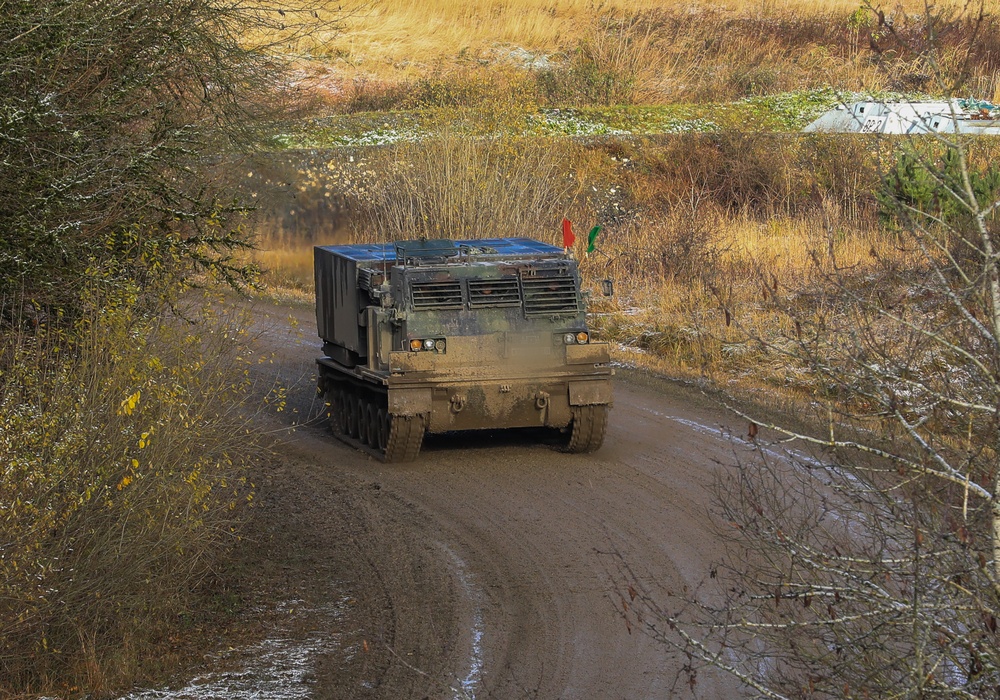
(448, 360)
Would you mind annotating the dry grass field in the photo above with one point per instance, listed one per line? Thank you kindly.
(700, 231)
(424, 31)
(129, 435)
(652, 52)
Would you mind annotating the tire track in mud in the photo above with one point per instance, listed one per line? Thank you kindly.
(488, 568)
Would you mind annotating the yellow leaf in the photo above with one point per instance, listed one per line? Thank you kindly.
(128, 404)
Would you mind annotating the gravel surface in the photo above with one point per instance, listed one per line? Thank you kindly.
(492, 566)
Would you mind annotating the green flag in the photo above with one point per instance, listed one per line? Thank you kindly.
(592, 238)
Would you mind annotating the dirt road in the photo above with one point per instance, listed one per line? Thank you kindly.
(488, 568)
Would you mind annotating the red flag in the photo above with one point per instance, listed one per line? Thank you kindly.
(568, 237)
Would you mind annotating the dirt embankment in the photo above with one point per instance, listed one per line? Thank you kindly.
(490, 568)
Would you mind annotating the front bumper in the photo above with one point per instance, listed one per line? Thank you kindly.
(463, 390)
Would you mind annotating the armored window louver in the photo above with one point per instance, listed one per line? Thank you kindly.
(446, 294)
(369, 279)
(503, 291)
(550, 296)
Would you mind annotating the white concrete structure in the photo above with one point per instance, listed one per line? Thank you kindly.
(961, 116)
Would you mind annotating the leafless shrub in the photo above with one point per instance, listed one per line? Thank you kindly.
(867, 564)
(461, 185)
(833, 586)
(108, 111)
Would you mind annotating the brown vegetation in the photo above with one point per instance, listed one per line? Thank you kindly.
(125, 443)
(854, 277)
(123, 428)
(682, 216)
(400, 55)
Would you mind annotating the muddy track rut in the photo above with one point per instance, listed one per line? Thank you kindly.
(489, 568)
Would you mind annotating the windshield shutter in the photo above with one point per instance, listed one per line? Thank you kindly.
(502, 291)
(550, 296)
(445, 294)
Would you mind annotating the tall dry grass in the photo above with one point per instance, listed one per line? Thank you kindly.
(461, 187)
(694, 316)
(424, 30)
(637, 51)
(700, 232)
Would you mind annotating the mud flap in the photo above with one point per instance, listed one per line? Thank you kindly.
(590, 354)
(589, 393)
(409, 402)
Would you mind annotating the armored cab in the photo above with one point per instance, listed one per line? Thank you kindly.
(449, 335)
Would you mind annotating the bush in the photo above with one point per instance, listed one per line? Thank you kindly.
(124, 443)
(107, 111)
(925, 190)
(761, 175)
(457, 186)
(613, 65)
(124, 432)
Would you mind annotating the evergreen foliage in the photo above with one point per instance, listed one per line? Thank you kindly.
(928, 187)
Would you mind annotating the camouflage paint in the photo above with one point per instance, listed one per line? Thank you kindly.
(502, 366)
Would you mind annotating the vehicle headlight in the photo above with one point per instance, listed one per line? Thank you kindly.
(569, 338)
(427, 344)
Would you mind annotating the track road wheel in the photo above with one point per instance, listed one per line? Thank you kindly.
(588, 428)
(406, 434)
(335, 410)
(363, 424)
(351, 414)
(382, 429)
(371, 432)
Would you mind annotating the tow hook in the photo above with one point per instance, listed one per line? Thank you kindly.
(457, 403)
(542, 400)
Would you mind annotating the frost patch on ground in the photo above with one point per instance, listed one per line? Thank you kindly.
(467, 686)
(687, 423)
(572, 122)
(628, 356)
(385, 136)
(523, 58)
(278, 668)
(379, 137)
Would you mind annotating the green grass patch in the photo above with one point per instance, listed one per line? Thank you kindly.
(787, 112)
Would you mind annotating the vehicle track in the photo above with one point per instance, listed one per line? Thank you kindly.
(490, 567)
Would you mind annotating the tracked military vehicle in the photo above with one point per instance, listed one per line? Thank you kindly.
(443, 335)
